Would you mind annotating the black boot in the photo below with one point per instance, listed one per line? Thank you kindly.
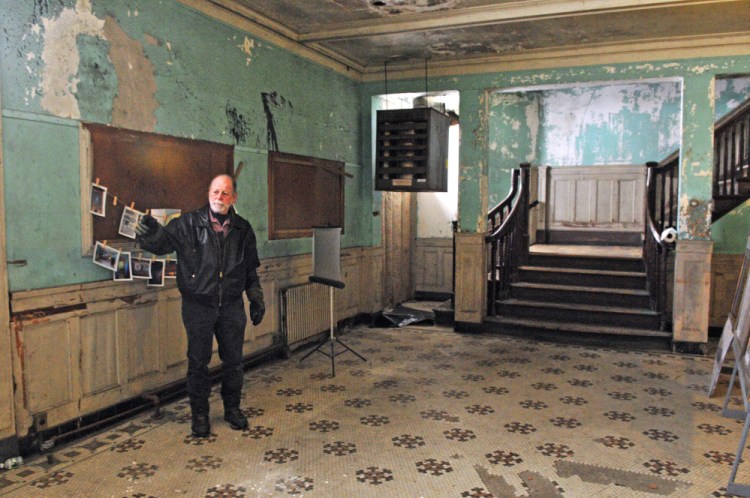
(236, 419)
(201, 427)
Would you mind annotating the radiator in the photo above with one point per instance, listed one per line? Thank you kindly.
(306, 311)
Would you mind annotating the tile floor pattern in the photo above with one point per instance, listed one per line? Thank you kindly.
(432, 413)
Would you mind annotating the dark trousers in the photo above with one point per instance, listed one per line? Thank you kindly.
(202, 323)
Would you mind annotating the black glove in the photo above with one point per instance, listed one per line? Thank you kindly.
(257, 306)
(146, 226)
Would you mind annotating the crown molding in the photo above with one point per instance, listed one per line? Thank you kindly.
(247, 20)
(509, 12)
(735, 44)
(673, 48)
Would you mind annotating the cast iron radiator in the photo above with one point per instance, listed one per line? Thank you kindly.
(306, 311)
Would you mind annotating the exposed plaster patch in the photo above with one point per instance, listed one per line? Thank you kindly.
(694, 219)
(61, 58)
(701, 69)
(532, 121)
(247, 47)
(573, 114)
(135, 103)
(151, 40)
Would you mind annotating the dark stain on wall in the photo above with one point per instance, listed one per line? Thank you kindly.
(41, 8)
(238, 125)
(270, 101)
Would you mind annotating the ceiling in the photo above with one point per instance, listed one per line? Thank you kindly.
(365, 35)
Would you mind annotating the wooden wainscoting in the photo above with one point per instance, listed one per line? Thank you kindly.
(82, 348)
(725, 270)
(433, 265)
(596, 201)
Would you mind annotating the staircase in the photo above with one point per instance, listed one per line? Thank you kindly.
(582, 291)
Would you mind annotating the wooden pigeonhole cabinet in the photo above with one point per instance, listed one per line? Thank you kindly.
(412, 150)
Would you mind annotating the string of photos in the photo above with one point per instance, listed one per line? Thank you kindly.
(123, 264)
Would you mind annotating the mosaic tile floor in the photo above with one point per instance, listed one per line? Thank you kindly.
(432, 413)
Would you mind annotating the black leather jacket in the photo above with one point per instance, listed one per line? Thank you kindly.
(209, 272)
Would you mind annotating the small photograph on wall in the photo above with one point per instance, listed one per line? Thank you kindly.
(170, 268)
(98, 200)
(128, 222)
(141, 267)
(106, 256)
(123, 271)
(157, 273)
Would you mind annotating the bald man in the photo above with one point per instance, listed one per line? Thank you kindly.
(217, 260)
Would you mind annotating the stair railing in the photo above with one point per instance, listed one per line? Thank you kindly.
(661, 214)
(731, 150)
(508, 238)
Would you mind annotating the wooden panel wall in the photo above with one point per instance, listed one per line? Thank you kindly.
(592, 197)
(111, 341)
(725, 270)
(7, 420)
(433, 265)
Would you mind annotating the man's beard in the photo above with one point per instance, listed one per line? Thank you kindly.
(219, 208)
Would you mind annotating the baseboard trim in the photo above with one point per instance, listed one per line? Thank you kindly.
(693, 348)
(9, 448)
(432, 296)
(468, 327)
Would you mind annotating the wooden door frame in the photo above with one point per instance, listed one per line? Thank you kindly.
(407, 205)
(8, 434)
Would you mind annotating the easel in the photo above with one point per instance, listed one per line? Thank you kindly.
(740, 370)
(332, 339)
(326, 271)
(736, 334)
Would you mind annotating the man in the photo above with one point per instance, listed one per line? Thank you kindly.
(217, 261)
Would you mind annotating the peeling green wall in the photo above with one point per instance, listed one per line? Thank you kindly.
(160, 67)
(696, 110)
(514, 129)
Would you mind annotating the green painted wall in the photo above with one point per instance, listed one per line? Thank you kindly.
(514, 129)
(159, 67)
(697, 112)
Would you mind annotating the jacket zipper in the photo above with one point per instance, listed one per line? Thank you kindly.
(223, 258)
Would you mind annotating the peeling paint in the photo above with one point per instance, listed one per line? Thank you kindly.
(247, 47)
(60, 56)
(135, 103)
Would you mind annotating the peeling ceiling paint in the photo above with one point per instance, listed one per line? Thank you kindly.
(371, 32)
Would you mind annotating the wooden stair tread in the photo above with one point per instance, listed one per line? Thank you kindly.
(578, 327)
(580, 288)
(585, 271)
(579, 307)
(618, 253)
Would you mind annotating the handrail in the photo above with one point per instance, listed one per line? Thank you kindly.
(508, 239)
(497, 214)
(732, 151)
(660, 214)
